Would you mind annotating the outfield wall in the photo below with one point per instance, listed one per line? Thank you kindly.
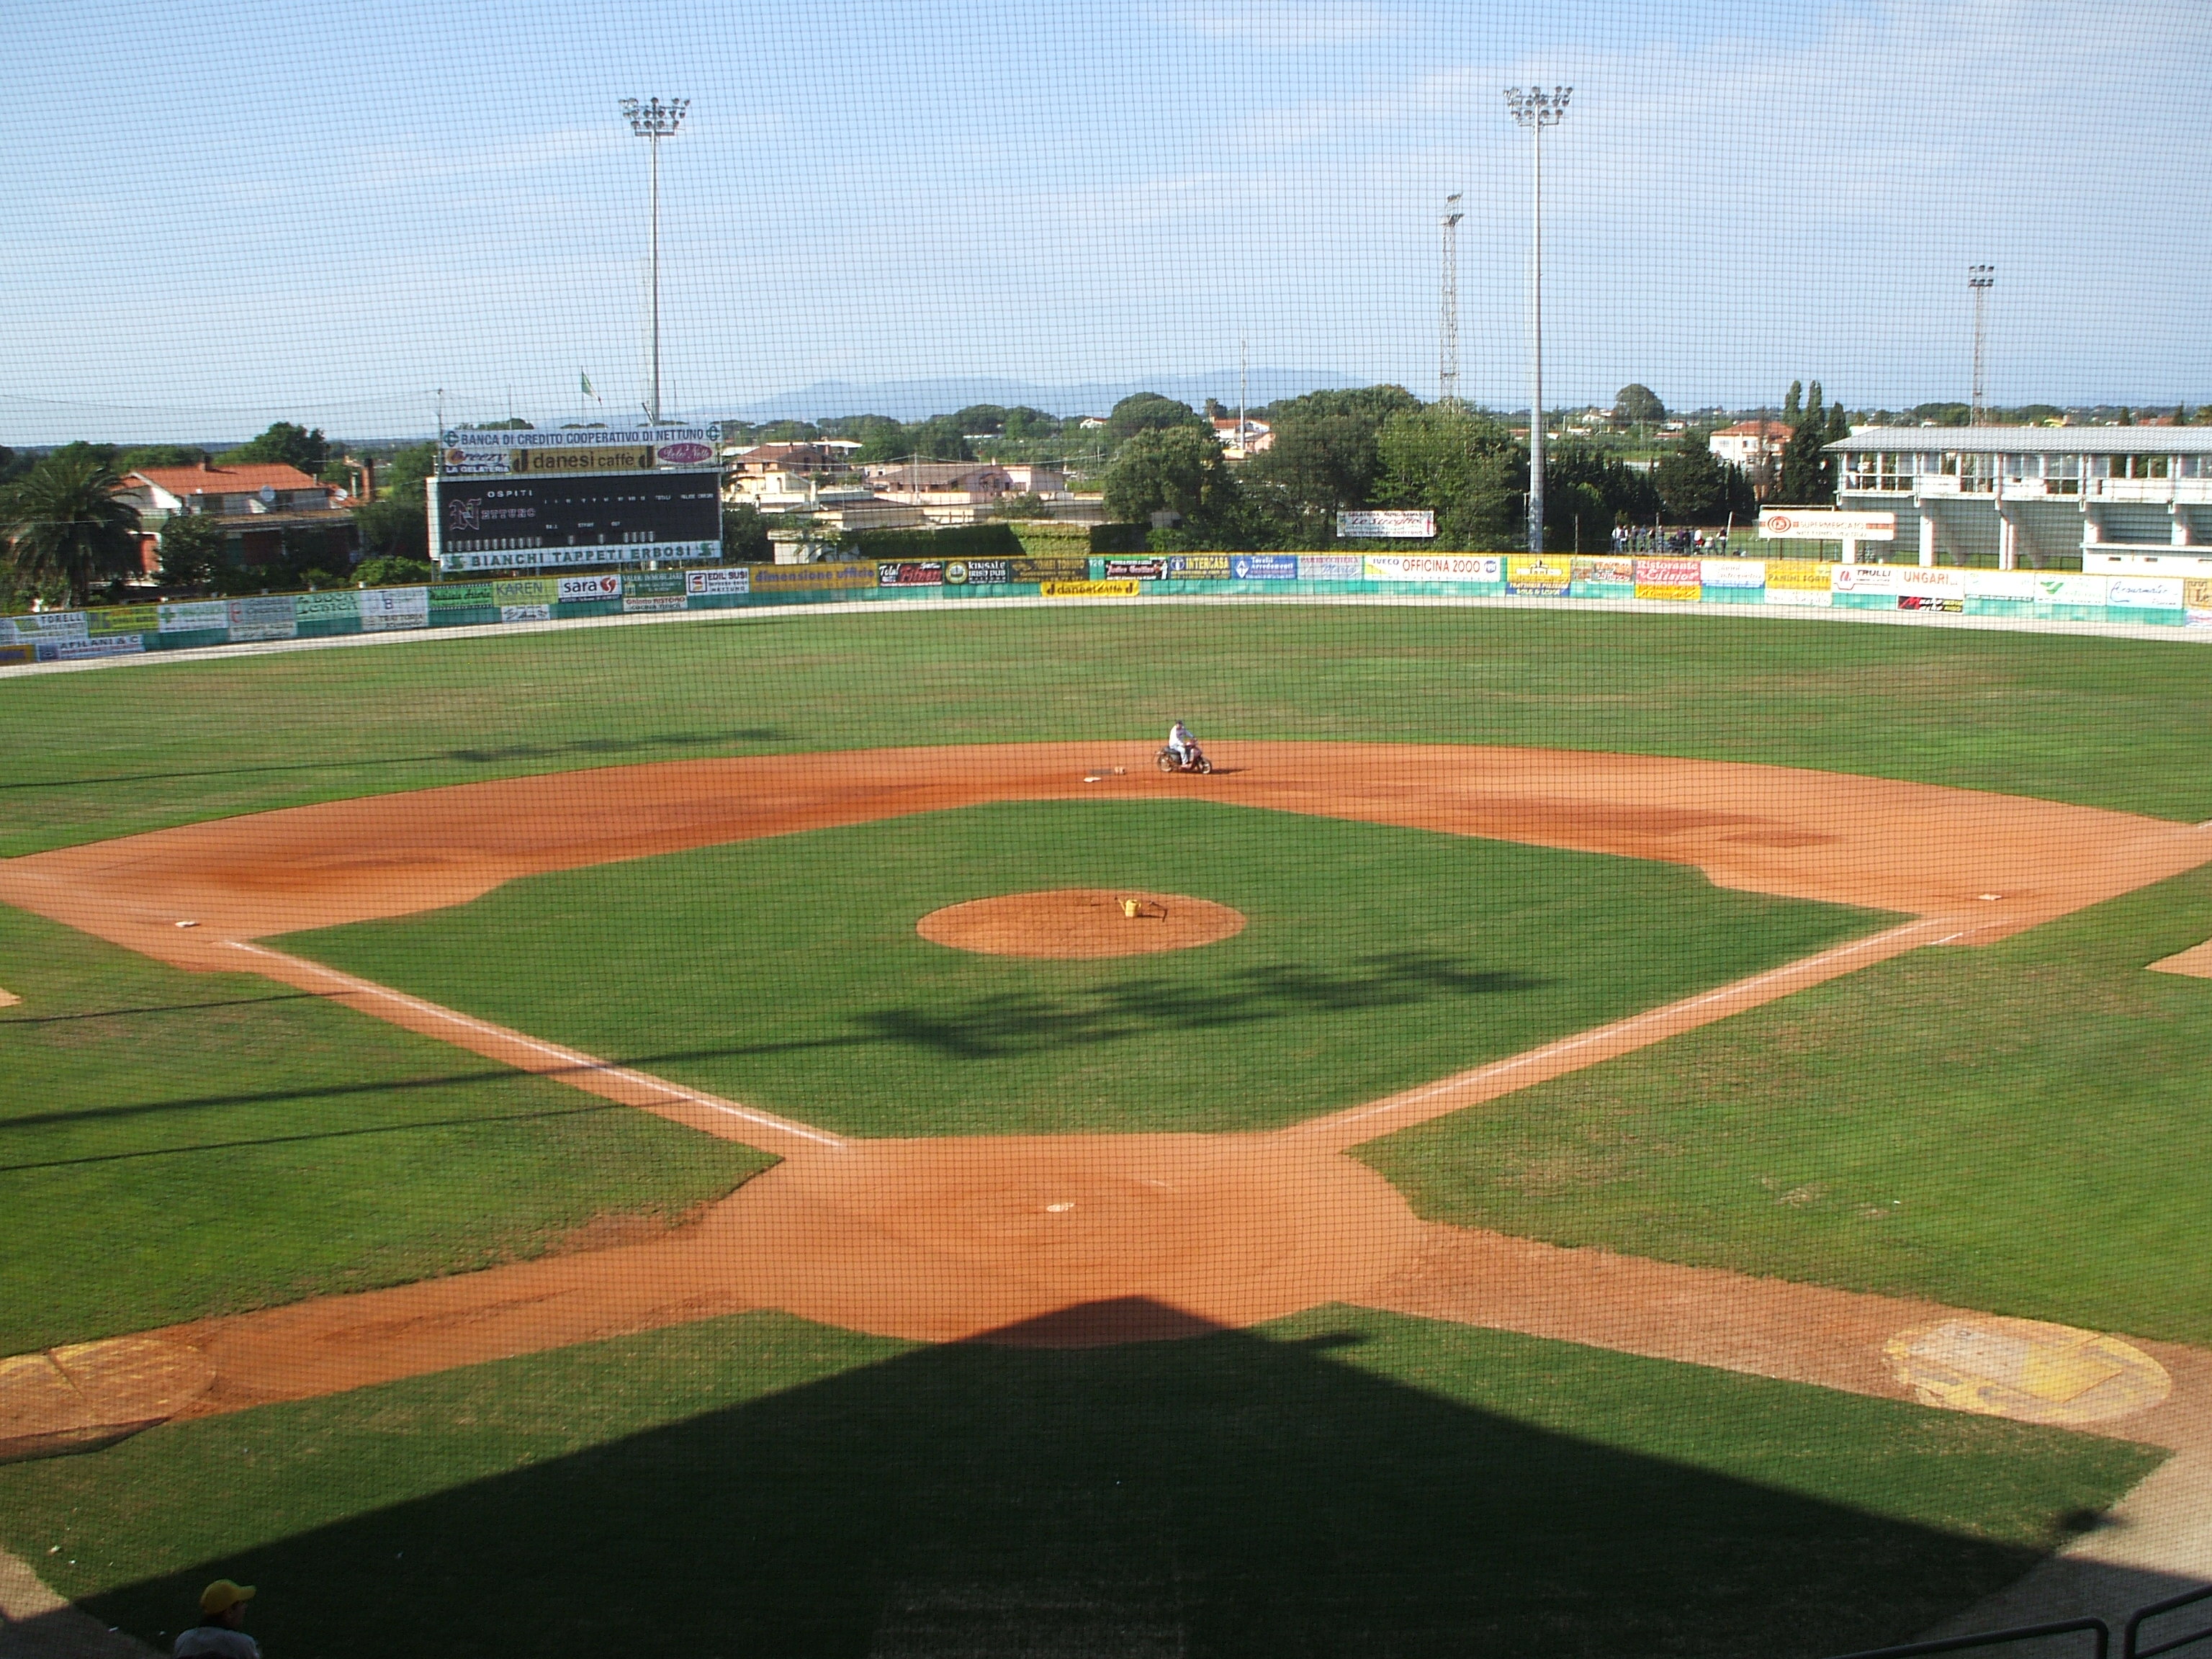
(2030, 595)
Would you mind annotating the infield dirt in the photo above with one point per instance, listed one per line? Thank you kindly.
(1103, 1237)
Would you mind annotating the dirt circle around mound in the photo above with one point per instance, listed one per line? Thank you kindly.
(1073, 923)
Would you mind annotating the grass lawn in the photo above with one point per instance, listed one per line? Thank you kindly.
(88, 756)
(174, 1144)
(1344, 1481)
(2020, 1127)
(786, 972)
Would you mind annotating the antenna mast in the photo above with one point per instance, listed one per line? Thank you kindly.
(1448, 313)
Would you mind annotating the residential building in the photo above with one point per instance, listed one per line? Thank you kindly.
(1046, 478)
(269, 511)
(1253, 438)
(2033, 497)
(828, 456)
(1752, 445)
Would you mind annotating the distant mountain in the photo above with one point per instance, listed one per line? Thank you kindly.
(914, 400)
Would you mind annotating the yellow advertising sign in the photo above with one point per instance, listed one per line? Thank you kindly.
(1117, 589)
(625, 460)
(1807, 575)
(124, 619)
(527, 590)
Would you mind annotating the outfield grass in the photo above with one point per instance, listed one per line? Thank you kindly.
(1345, 1481)
(786, 972)
(89, 755)
(2020, 1126)
(174, 1144)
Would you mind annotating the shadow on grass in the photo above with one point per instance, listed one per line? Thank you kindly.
(1226, 1495)
(488, 757)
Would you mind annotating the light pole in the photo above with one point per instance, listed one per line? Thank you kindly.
(1980, 278)
(1534, 110)
(654, 121)
(1447, 308)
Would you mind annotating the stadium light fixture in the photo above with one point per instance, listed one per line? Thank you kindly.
(1980, 278)
(1533, 110)
(653, 120)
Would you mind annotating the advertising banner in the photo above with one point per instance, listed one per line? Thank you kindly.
(1607, 572)
(385, 610)
(801, 578)
(586, 590)
(1805, 523)
(910, 573)
(1332, 568)
(1932, 581)
(1799, 575)
(653, 581)
(963, 572)
(2017, 587)
(2054, 588)
(2143, 592)
(271, 617)
(462, 452)
(1198, 567)
(462, 596)
(2196, 593)
(1436, 568)
(1264, 567)
(131, 619)
(719, 582)
(527, 590)
(15, 655)
(105, 644)
(1679, 580)
(1144, 570)
(632, 604)
(1732, 573)
(612, 517)
(1126, 589)
(343, 605)
(1544, 577)
(1075, 567)
(518, 613)
(195, 616)
(1420, 523)
(51, 625)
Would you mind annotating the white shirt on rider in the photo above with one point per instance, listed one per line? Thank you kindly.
(1179, 737)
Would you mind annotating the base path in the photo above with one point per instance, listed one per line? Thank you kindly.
(1998, 863)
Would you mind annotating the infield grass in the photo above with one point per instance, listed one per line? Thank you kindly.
(86, 755)
(2021, 1126)
(174, 1144)
(786, 972)
(1345, 1481)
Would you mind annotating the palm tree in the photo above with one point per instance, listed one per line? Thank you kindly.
(62, 521)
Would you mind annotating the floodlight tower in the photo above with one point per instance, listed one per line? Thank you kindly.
(1980, 278)
(654, 121)
(1534, 110)
(1447, 313)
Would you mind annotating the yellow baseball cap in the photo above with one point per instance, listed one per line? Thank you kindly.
(223, 1595)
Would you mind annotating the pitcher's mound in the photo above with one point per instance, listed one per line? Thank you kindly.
(1080, 921)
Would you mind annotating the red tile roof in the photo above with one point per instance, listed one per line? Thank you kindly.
(241, 480)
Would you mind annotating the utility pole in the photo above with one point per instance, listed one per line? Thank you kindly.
(1980, 278)
(1447, 312)
(1534, 110)
(653, 122)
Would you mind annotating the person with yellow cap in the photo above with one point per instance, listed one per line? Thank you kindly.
(218, 1634)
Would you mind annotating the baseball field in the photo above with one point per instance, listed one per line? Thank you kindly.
(1591, 1133)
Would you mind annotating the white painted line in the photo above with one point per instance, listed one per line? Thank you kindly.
(573, 1059)
(1551, 1051)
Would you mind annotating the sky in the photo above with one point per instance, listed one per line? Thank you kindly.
(218, 215)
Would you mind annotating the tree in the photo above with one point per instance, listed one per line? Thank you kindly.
(1624, 492)
(938, 439)
(985, 420)
(1323, 456)
(396, 525)
(1174, 469)
(1462, 465)
(1793, 405)
(1697, 487)
(1148, 411)
(65, 523)
(744, 534)
(881, 439)
(1637, 405)
(130, 460)
(287, 444)
(192, 549)
(1806, 479)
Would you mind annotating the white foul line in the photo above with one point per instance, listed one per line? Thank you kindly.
(573, 1059)
(1606, 1033)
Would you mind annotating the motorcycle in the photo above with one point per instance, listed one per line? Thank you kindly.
(1166, 761)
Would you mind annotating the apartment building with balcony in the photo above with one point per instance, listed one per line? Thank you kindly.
(2111, 498)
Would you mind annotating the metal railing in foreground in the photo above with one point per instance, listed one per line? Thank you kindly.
(2131, 1641)
(2097, 1628)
